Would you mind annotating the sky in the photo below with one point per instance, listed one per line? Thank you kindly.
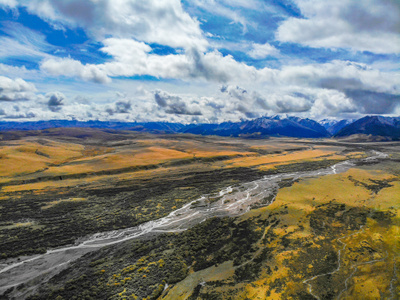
(198, 61)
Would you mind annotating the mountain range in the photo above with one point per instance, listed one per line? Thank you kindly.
(373, 125)
(288, 126)
(334, 126)
(264, 126)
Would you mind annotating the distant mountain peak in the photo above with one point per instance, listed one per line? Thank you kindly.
(333, 126)
(373, 125)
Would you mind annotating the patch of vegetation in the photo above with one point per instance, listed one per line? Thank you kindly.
(104, 210)
(324, 217)
(304, 166)
(105, 169)
(273, 252)
(373, 185)
(143, 268)
(266, 258)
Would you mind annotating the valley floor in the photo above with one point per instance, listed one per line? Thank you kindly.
(333, 235)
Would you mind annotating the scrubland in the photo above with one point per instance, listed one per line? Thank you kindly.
(327, 237)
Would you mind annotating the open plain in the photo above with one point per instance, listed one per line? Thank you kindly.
(103, 214)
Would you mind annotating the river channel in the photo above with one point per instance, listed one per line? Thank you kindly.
(230, 201)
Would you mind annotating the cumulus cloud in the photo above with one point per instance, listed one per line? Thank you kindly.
(128, 30)
(120, 107)
(340, 75)
(369, 102)
(55, 100)
(230, 103)
(235, 92)
(318, 99)
(27, 115)
(249, 104)
(331, 103)
(70, 67)
(370, 25)
(344, 87)
(152, 21)
(292, 104)
(261, 51)
(308, 101)
(16, 89)
(132, 58)
(172, 104)
(332, 88)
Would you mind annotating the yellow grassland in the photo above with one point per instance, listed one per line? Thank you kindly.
(118, 160)
(278, 147)
(268, 161)
(94, 160)
(24, 157)
(30, 159)
(20, 160)
(303, 197)
(105, 180)
(372, 271)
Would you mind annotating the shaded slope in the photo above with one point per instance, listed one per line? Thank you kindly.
(373, 125)
(135, 126)
(265, 126)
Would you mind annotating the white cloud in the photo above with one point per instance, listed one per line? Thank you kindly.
(260, 51)
(132, 58)
(14, 71)
(369, 25)
(73, 68)
(9, 3)
(341, 75)
(344, 82)
(230, 103)
(127, 28)
(152, 21)
(16, 89)
(328, 102)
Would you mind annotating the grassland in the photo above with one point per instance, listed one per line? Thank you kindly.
(72, 183)
(329, 237)
(288, 250)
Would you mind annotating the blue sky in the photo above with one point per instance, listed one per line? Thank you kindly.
(199, 60)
